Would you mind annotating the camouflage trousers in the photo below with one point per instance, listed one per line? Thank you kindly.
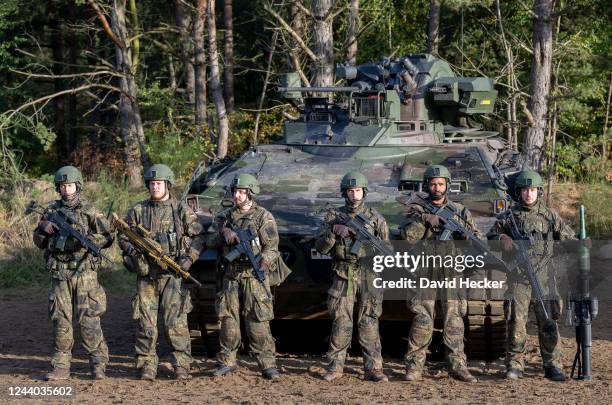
(165, 294)
(83, 290)
(516, 310)
(249, 298)
(340, 305)
(422, 327)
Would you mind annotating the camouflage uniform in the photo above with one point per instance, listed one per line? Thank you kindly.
(349, 286)
(176, 227)
(454, 308)
(241, 293)
(74, 280)
(543, 224)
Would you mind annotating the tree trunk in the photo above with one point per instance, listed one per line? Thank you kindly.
(433, 27)
(351, 35)
(228, 72)
(323, 43)
(200, 63)
(540, 83)
(183, 20)
(59, 103)
(215, 83)
(72, 57)
(297, 24)
(130, 129)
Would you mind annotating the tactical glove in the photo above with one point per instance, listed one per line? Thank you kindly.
(128, 248)
(431, 219)
(343, 231)
(229, 236)
(507, 243)
(48, 227)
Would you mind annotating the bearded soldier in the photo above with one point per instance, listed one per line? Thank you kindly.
(422, 225)
(176, 228)
(241, 292)
(73, 275)
(349, 285)
(541, 223)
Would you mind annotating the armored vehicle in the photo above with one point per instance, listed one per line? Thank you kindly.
(389, 121)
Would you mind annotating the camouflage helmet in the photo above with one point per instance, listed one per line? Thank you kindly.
(528, 178)
(68, 174)
(434, 171)
(247, 181)
(159, 172)
(353, 180)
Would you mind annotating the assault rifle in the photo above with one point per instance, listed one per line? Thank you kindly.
(452, 226)
(245, 237)
(65, 222)
(582, 309)
(523, 244)
(360, 225)
(142, 240)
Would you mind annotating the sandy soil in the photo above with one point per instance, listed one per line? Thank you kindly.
(26, 341)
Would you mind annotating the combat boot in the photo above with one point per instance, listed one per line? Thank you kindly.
(222, 370)
(97, 372)
(58, 373)
(148, 373)
(514, 374)
(332, 375)
(413, 375)
(463, 374)
(376, 376)
(554, 373)
(181, 373)
(270, 374)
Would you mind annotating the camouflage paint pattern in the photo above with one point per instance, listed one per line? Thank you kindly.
(543, 224)
(176, 227)
(349, 287)
(454, 308)
(241, 293)
(75, 282)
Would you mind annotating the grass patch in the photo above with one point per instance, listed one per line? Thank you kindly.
(596, 197)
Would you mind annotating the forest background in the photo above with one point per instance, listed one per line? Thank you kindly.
(112, 85)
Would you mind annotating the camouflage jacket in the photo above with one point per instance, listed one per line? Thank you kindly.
(417, 229)
(540, 224)
(64, 254)
(340, 248)
(258, 219)
(172, 224)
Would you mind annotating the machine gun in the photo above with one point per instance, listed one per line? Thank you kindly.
(145, 244)
(451, 226)
(245, 237)
(582, 310)
(65, 223)
(360, 224)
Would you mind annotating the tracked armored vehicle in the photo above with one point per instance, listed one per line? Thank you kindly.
(389, 121)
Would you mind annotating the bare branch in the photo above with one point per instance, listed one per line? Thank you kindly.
(294, 34)
(44, 100)
(52, 76)
(105, 24)
(304, 10)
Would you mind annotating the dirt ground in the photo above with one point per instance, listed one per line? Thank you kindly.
(26, 341)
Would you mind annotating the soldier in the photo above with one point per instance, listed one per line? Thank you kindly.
(422, 225)
(542, 223)
(241, 293)
(349, 284)
(177, 229)
(73, 275)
